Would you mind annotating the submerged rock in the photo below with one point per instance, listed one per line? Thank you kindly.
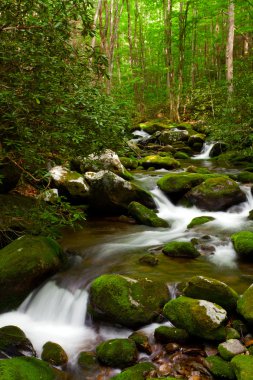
(111, 194)
(216, 194)
(180, 249)
(87, 360)
(199, 318)
(117, 353)
(145, 216)
(125, 300)
(25, 264)
(139, 371)
(220, 368)
(149, 259)
(231, 348)
(165, 334)
(141, 341)
(13, 342)
(212, 290)
(243, 367)
(159, 162)
(245, 305)
(26, 368)
(243, 244)
(54, 354)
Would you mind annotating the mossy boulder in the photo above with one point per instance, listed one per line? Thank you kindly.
(232, 333)
(243, 244)
(129, 163)
(129, 301)
(198, 138)
(87, 360)
(220, 368)
(159, 162)
(153, 126)
(199, 318)
(33, 258)
(212, 290)
(200, 220)
(245, 305)
(13, 342)
(111, 194)
(165, 334)
(245, 177)
(54, 354)
(25, 368)
(144, 215)
(243, 367)
(172, 136)
(117, 353)
(139, 371)
(180, 249)
(231, 348)
(216, 194)
(149, 259)
(217, 149)
(141, 341)
(181, 155)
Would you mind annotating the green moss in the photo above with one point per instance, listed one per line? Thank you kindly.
(141, 341)
(117, 353)
(243, 244)
(240, 326)
(245, 177)
(180, 249)
(145, 216)
(54, 354)
(149, 259)
(200, 220)
(179, 182)
(25, 368)
(165, 334)
(198, 317)
(243, 367)
(212, 290)
(245, 305)
(87, 360)
(153, 126)
(13, 342)
(230, 348)
(137, 372)
(232, 333)
(220, 368)
(181, 156)
(129, 163)
(29, 257)
(159, 162)
(128, 301)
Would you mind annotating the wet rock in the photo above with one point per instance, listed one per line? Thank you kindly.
(243, 367)
(181, 155)
(145, 216)
(129, 163)
(141, 341)
(200, 220)
(149, 259)
(231, 348)
(200, 318)
(250, 216)
(139, 371)
(129, 301)
(159, 162)
(87, 360)
(180, 249)
(111, 194)
(31, 258)
(9, 174)
(212, 290)
(54, 354)
(232, 333)
(245, 305)
(199, 138)
(26, 368)
(243, 244)
(216, 194)
(173, 136)
(170, 348)
(218, 149)
(13, 342)
(165, 334)
(240, 326)
(117, 353)
(153, 126)
(220, 368)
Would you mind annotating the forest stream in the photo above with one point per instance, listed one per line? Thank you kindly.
(57, 311)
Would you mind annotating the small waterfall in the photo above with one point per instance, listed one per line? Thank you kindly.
(140, 136)
(205, 152)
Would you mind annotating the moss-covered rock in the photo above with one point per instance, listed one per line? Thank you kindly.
(129, 163)
(216, 194)
(220, 368)
(181, 155)
(217, 149)
(13, 342)
(250, 216)
(243, 244)
(245, 305)
(141, 341)
(159, 162)
(87, 360)
(111, 194)
(31, 258)
(117, 353)
(149, 259)
(232, 333)
(54, 354)
(25, 368)
(129, 301)
(200, 220)
(144, 215)
(198, 138)
(180, 249)
(243, 367)
(245, 177)
(240, 326)
(139, 371)
(231, 348)
(165, 334)
(212, 290)
(156, 125)
(199, 318)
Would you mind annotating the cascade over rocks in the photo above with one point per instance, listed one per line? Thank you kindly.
(128, 301)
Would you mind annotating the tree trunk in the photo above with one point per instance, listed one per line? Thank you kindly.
(230, 47)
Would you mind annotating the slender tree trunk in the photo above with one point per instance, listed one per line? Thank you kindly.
(230, 47)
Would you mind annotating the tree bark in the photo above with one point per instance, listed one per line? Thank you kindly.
(230, 47)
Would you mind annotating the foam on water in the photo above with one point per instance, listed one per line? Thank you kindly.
(205, 152)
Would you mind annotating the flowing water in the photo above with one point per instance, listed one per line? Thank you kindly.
(205, 152)
(57, 311)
